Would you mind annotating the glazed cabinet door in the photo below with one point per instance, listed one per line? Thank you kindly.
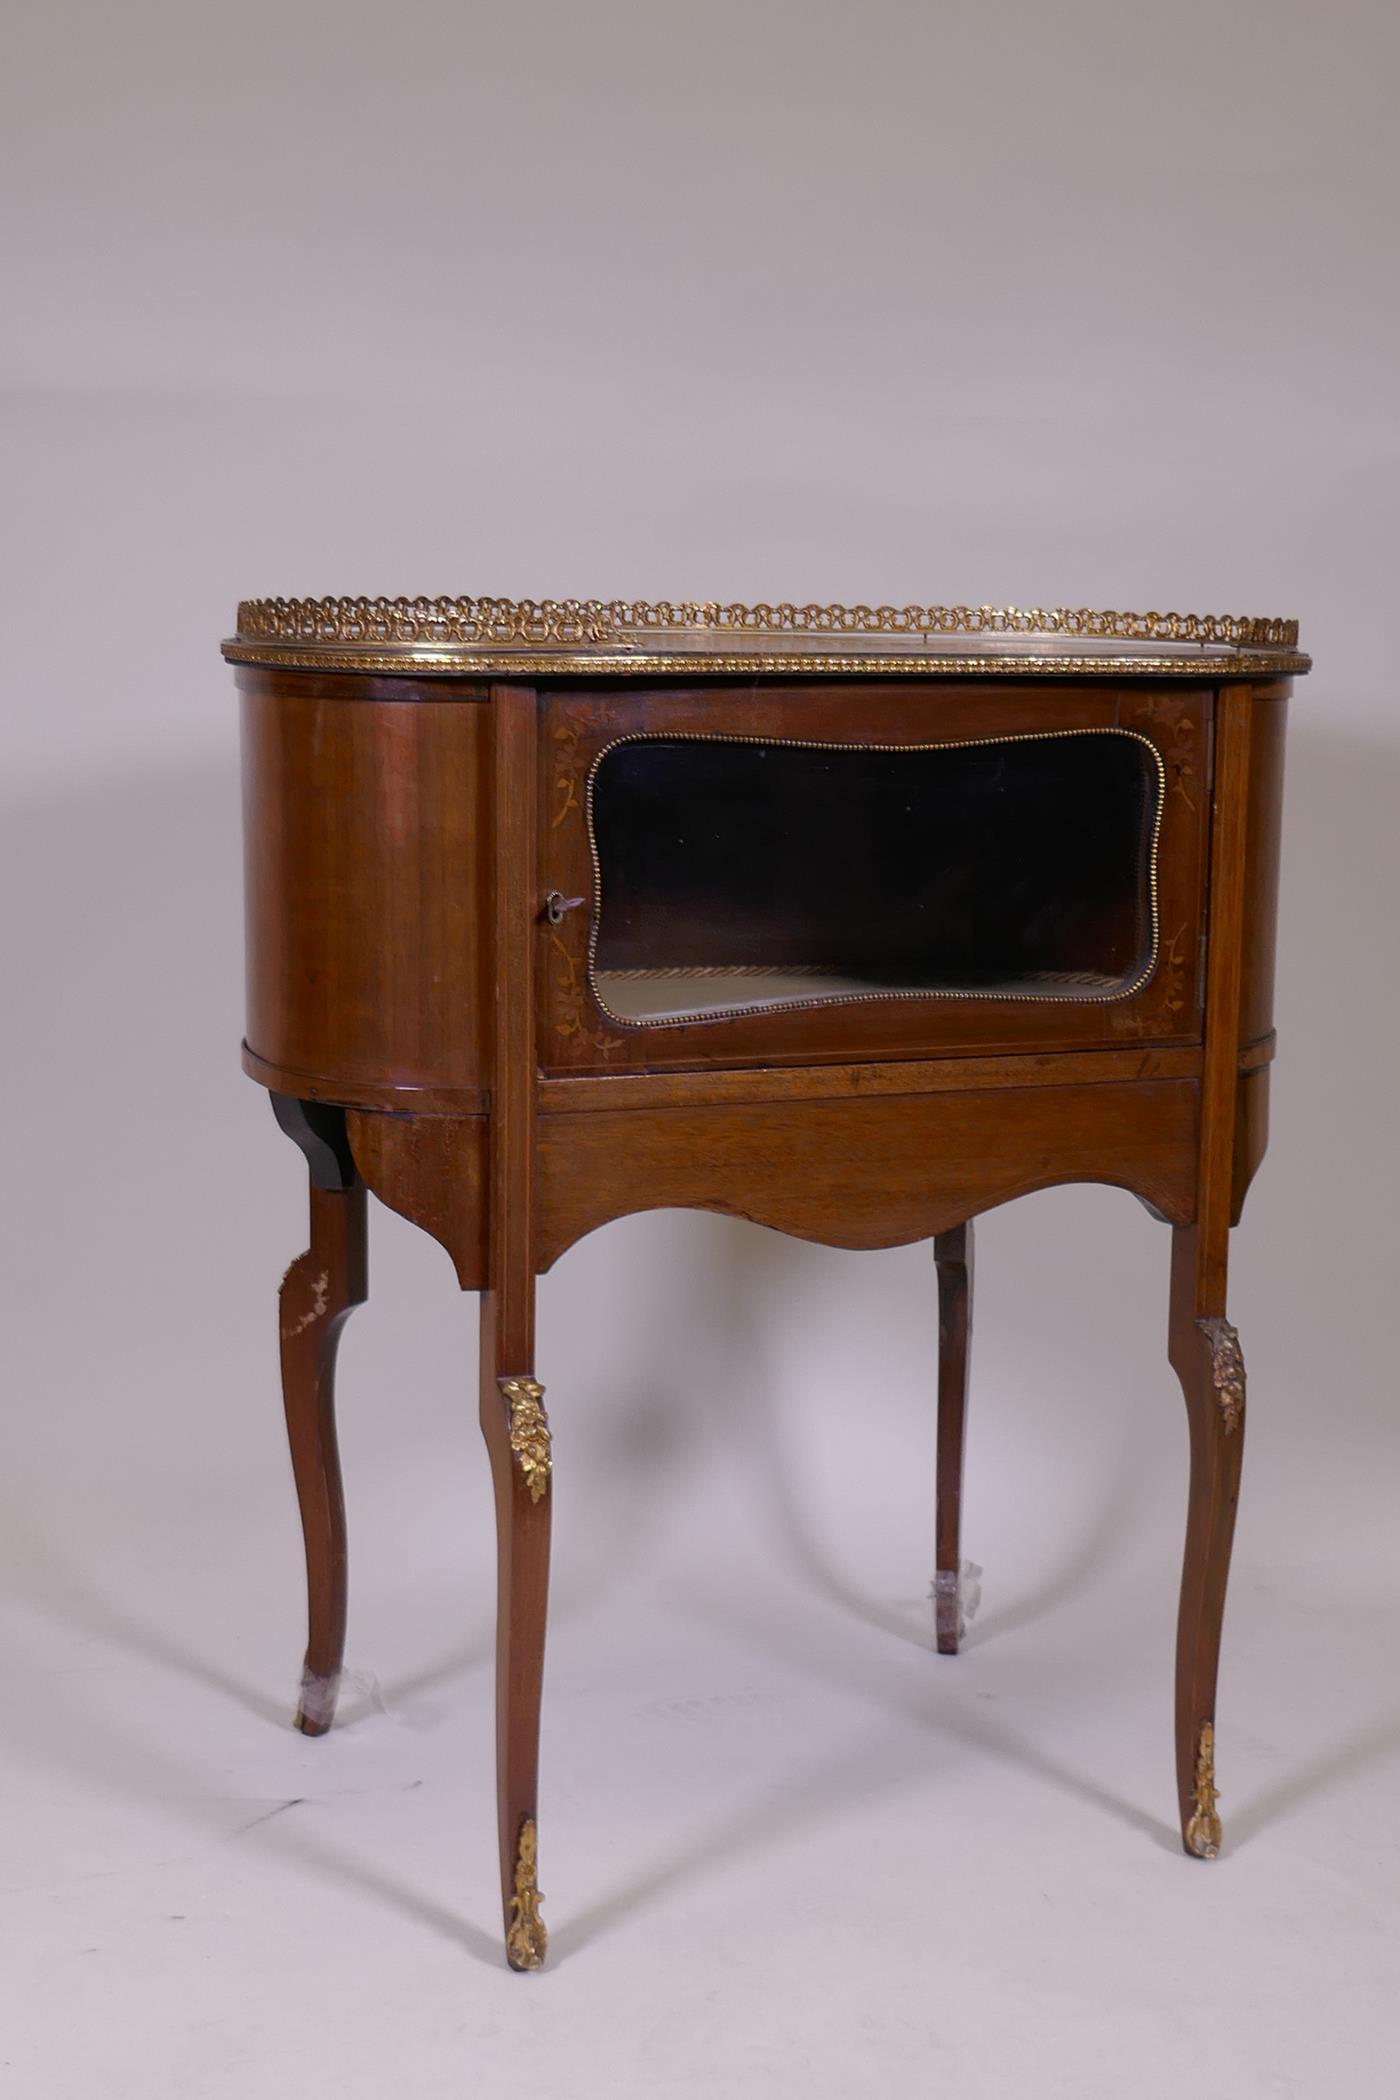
(848, 872)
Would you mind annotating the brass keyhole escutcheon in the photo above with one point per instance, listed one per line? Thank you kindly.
(556, 904)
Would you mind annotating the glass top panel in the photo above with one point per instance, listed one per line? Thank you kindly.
(738, 876)
(710, 641)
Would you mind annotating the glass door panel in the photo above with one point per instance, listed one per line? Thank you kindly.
(739, 876)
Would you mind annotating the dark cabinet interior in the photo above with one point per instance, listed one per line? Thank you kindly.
(737, 875)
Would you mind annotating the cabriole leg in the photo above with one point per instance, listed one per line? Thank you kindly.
(1203, 1346)
(952, 1253)
(517, 1436)
(1205, 1354)
(512, 1402)
(319, 1291)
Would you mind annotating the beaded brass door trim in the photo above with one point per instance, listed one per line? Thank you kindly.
(787, 743)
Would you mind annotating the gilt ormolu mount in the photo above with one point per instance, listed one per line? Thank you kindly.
(856, 921)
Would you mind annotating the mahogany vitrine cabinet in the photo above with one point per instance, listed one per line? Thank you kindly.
(852, 921)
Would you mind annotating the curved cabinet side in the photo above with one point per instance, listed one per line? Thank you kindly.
(1259, 933)
(364, 848)
(1264, 818)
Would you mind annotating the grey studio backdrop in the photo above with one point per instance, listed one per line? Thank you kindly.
(1041, 305)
